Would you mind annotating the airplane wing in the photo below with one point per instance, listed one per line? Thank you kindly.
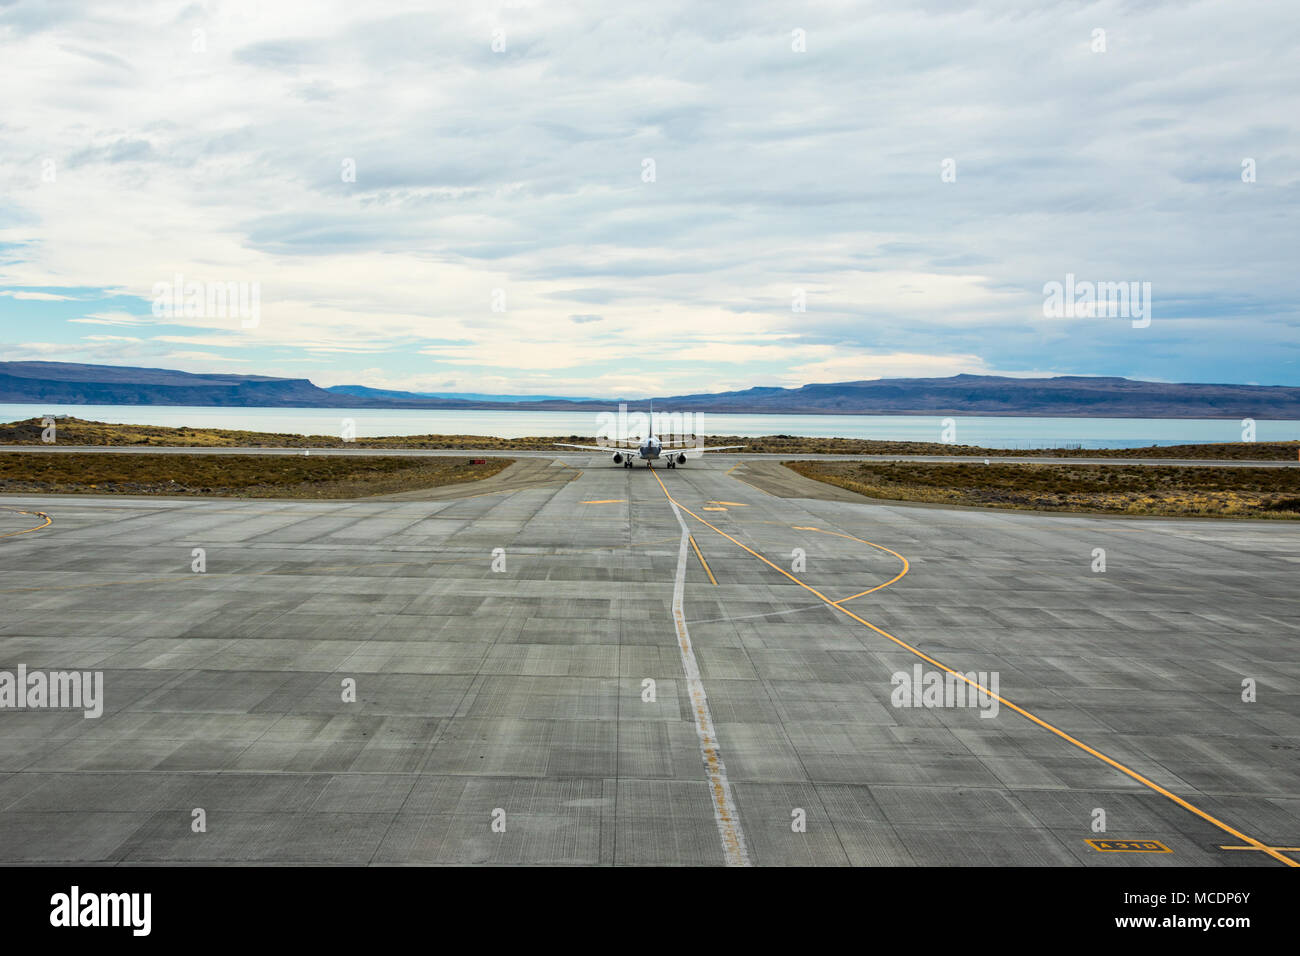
(605, 448)
(692, 446)
(692, 451)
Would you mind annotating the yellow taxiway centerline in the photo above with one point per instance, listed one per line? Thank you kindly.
(48, 521)
(703, 562)
(879, 547)
(1255, 844)
(1284, 849)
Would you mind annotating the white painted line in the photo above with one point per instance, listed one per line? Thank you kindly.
(724, 808)
(750, 617)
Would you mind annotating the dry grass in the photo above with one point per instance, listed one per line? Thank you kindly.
(241, 476)
(1105, 489)
(794, 445)
(75, 431)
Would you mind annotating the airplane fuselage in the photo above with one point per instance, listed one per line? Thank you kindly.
(649, 451)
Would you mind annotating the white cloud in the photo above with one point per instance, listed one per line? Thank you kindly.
(112, 318)
(37, 296)
(775, 170)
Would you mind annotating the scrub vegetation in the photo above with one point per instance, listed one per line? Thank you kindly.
(75, 431)
(240, 476)
(1187, 491)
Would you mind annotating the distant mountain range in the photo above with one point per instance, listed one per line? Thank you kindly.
(368, 392)
(1064, 396)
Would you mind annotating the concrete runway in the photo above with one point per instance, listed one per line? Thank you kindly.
(518, 696)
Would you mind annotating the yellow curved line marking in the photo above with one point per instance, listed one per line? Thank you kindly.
(729, 474)
(1256, 844)
(48, 521)
(879, 547)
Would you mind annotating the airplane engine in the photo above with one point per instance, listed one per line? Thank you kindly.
(681, 459)
(617, 458)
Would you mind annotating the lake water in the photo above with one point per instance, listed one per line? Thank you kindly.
(993, 432)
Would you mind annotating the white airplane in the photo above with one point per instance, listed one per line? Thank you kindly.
(651, 449)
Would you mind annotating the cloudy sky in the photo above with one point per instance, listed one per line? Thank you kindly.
(564, 199)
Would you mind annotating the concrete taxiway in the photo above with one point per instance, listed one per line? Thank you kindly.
(646, 667)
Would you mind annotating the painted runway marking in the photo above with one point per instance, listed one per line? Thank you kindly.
(751, 617)
(724, 808)
(878, 547)
(1280, 849)
(979, 688)
(606, 501)
(704, 564)
(743, 481)
(1128, 846)
(35, 514)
